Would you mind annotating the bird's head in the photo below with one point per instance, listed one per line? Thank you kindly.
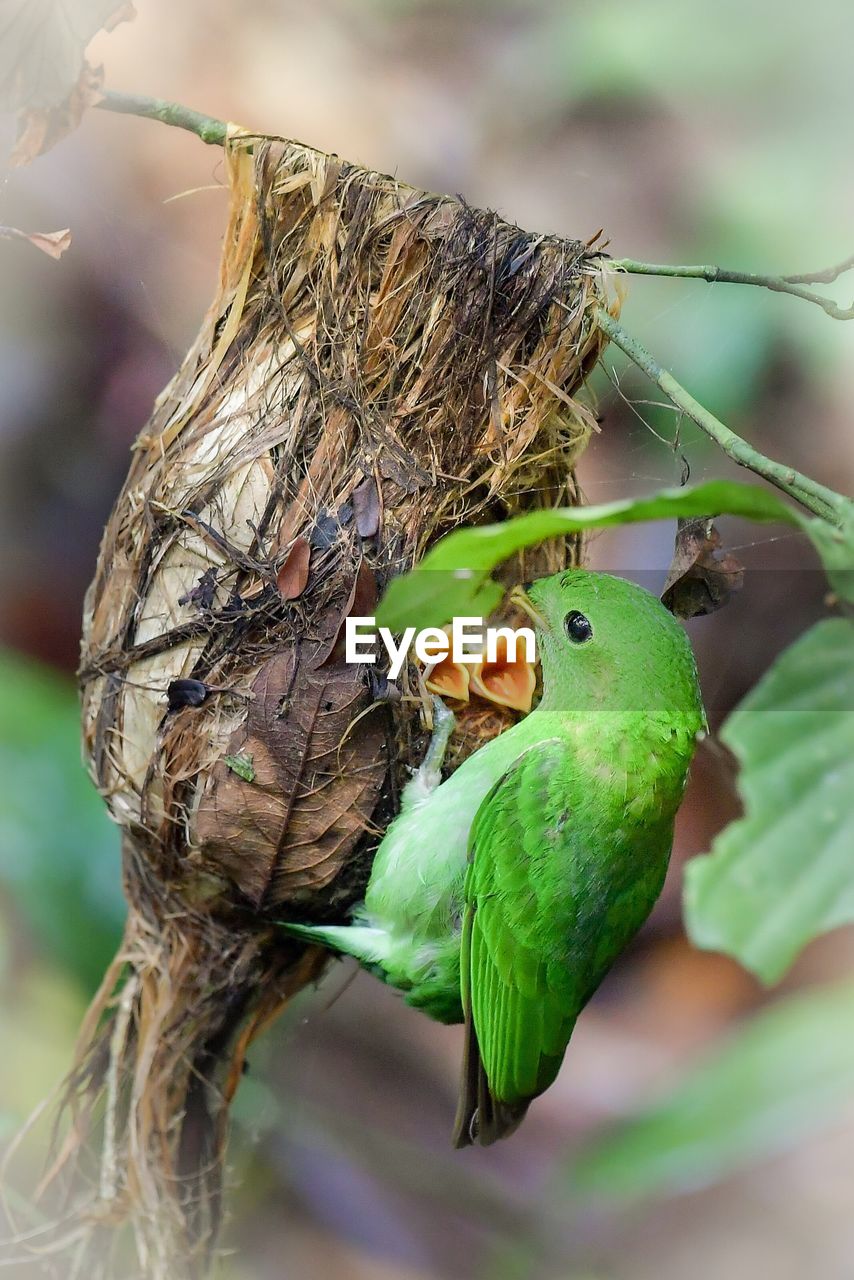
(607, 644)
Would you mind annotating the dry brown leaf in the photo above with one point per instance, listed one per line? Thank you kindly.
(43, 74)
(53, 243)
(315, 785)
(702, 576)
(292, 578)
(40, 128)
(366, 507)
(365, 593)
(41, 53)
(361, 603)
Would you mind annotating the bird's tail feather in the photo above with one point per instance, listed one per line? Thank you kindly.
(368, 945)
(481, 1117)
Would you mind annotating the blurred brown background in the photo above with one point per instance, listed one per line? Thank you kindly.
(690, 132)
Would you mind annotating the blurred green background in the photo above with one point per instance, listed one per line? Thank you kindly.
(690, 132)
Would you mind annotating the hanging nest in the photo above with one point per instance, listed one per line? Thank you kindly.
(379, 366)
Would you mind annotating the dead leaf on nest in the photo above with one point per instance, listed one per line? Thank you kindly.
(43, 74)
(361, 603)
(365, 593)
(366, 507)
(292, 578)
(53, 243)
(317, 772)
(702, 576)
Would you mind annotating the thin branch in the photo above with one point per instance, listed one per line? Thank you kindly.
(213, 132)
(822, 277)
(777, 284)
(812, 495)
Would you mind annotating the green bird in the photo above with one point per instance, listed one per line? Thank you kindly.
(502, 896)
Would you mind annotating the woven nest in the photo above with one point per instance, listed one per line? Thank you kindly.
(379, 365)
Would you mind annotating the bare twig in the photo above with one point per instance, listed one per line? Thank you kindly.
(827, 276)
(809, 493)
(212, 131)
(793, 285)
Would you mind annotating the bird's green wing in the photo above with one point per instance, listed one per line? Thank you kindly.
(520, 1002)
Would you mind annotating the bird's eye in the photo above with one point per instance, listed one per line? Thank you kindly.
(578, 627)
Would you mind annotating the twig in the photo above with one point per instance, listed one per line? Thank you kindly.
(777, 284)
(212, 131)
(822, 277)
(812, 495)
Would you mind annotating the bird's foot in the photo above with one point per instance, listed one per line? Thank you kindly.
(428, 775)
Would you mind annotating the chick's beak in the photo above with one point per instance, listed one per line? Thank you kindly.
(520, 598)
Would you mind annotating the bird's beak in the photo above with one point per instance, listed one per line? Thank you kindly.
(522, 600)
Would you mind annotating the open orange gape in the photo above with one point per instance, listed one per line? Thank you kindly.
(379, 366)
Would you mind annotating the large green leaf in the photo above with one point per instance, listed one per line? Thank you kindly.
(453, 578)
(785, 871)
(785, 1073)
(59, 853)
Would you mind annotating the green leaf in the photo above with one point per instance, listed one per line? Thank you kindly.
(835, 545)
(784, 872)
(783, 1075)
(59, 852)
(427, 597)
(453, 578)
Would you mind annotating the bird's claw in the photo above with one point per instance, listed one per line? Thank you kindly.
(443, 726)
(428, 775)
